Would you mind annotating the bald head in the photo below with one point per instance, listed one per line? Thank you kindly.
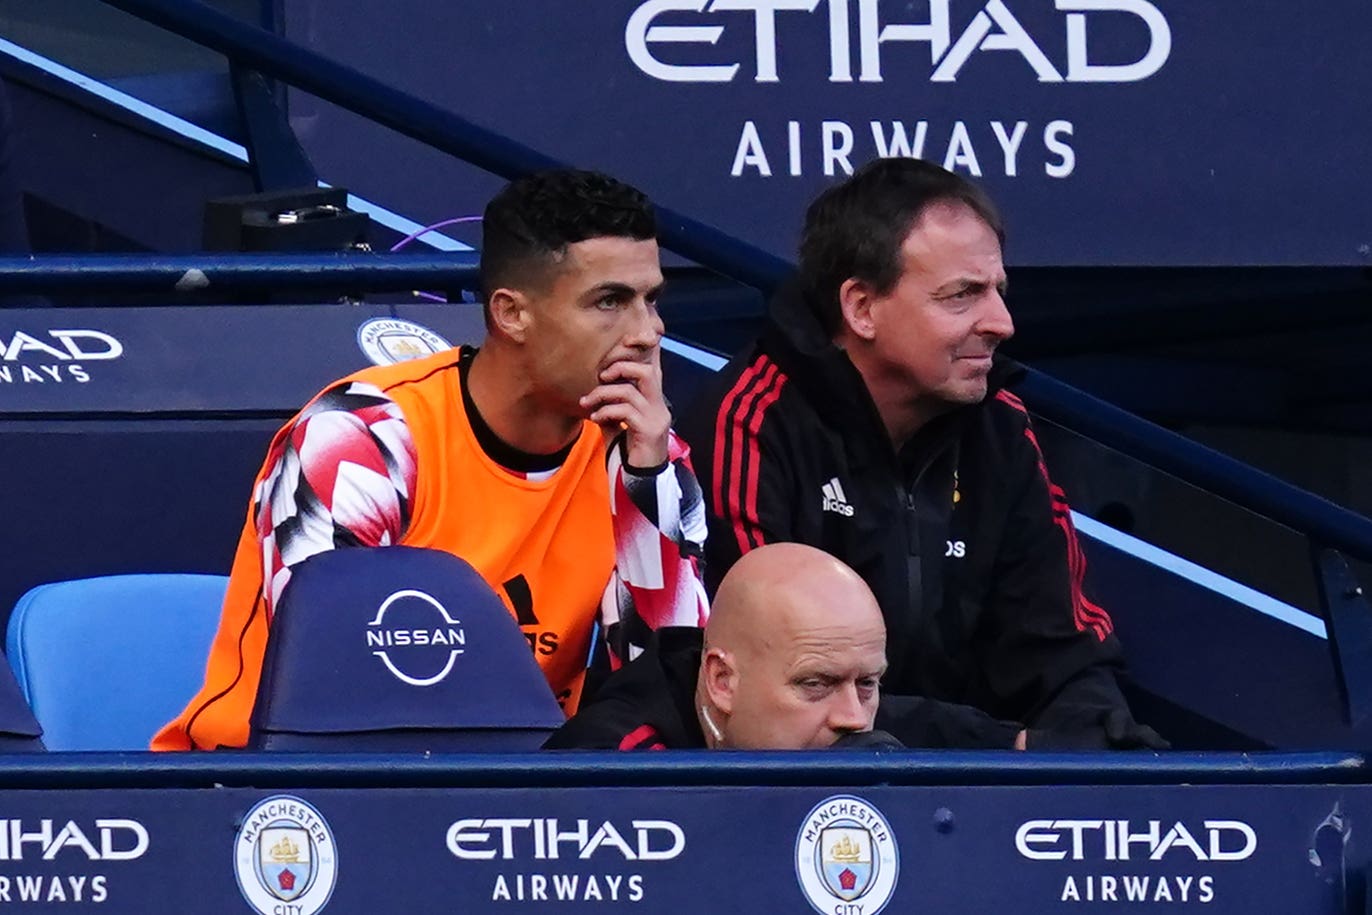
(785, 586)
(793, 651)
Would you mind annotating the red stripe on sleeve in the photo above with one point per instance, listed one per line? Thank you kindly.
(643, 737)
(1085, 613)
(734, 421)
(722, 420)
(755, 461)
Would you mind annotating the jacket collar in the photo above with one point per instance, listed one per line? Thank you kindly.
(823, 371)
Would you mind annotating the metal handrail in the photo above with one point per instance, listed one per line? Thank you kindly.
(206, 273)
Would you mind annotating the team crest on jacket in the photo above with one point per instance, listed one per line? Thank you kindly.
(846, 852)
(387, 341)
(284, 857)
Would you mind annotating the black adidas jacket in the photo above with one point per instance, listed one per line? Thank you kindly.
(649, 704)
(965, 541)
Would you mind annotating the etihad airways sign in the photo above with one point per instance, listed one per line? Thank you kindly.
(672, 40)
(54, 357)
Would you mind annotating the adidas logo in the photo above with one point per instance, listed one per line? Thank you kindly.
(835, 500)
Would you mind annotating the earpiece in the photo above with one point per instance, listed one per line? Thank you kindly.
(710, 725)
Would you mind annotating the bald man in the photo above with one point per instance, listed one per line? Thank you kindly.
(792, 658)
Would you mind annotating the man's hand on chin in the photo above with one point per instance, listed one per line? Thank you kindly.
(629, 398)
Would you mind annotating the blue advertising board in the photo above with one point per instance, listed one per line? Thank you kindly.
(832, 850)
(212, 359)
(1143, 132)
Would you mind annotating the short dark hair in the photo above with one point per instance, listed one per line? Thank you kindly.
(530, 223)
(856, 228)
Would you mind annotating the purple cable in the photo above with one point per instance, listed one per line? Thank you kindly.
(438, 225)
(412, 236)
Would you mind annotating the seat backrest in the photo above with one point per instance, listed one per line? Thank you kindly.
(398, 649)
(105, 662)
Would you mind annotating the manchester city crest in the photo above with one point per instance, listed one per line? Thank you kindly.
(845, 861)
(846, 852)
(285, 866)
(387, 341)
(285, 853)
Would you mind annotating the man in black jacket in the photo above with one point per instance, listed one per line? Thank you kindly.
(779, 670)
(870, 420)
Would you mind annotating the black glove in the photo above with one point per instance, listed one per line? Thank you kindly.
(1117, 731)
(867, 740)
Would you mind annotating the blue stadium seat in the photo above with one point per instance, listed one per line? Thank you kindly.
(398, 649)
(105, 662)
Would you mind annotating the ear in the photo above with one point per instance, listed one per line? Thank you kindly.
(719, 679)
(511, 314)
(855, 301)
